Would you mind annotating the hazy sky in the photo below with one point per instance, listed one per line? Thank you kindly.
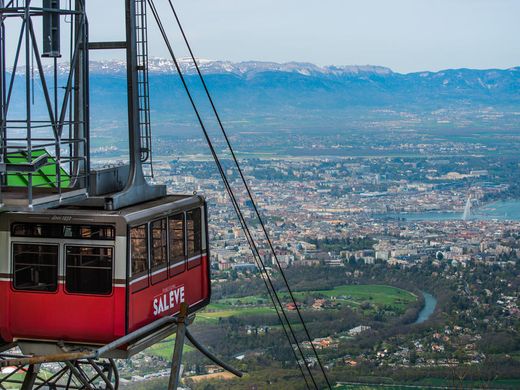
(405, 35)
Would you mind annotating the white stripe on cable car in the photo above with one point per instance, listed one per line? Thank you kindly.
(194, 258)
(139, 279)
(63, 282)
(162, 270)
(177, 264)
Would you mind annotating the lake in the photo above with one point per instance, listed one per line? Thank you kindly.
(502, 210)
(430, 303)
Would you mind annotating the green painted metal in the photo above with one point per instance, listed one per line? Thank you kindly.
(45, 177)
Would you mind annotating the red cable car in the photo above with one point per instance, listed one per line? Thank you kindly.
(88, 257)
(92, 276)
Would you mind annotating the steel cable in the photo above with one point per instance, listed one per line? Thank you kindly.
(230, 191)
(250, 195)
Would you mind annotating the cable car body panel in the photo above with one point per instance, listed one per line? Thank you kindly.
(70, 274)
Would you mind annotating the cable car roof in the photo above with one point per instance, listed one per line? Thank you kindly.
(133, 214)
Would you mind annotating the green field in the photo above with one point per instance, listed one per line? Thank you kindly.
(375, 294)
(164, 348)
(219, 310)
(349, 295)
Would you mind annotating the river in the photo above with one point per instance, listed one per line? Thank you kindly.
(502, 210)
(430, 302)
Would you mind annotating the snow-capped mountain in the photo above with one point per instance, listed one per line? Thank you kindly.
(266, 86)
(246, 68)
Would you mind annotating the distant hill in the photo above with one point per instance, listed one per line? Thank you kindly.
(246, 69)
(255, 85)
(302, 90)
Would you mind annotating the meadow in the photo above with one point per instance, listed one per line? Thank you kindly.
(374, 297)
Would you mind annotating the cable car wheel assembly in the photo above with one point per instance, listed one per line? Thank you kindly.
(89, 369)
(76, 374)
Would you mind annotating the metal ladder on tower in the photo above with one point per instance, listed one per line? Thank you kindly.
(143, 88)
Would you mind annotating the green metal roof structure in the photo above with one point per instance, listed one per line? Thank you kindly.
(44, 177)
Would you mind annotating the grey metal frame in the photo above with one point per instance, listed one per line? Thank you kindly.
(73, 112)
(137, 189)
(80, 374)
(66, 125)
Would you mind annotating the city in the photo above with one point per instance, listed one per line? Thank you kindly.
(442, 229)
(264, 216)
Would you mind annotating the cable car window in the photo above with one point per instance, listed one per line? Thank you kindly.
(194, 237)
(159, 250)
(89, 270)
(54, 230)
(89, 232)
(35, 267)
(176, 231)
(139, 249)
(46, 230)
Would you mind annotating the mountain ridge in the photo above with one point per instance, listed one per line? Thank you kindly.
(258, 88)
(244, 68)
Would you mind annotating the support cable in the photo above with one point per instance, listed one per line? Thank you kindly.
(266, 279)
(235, 204)
(250, 195)
(225, 180)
